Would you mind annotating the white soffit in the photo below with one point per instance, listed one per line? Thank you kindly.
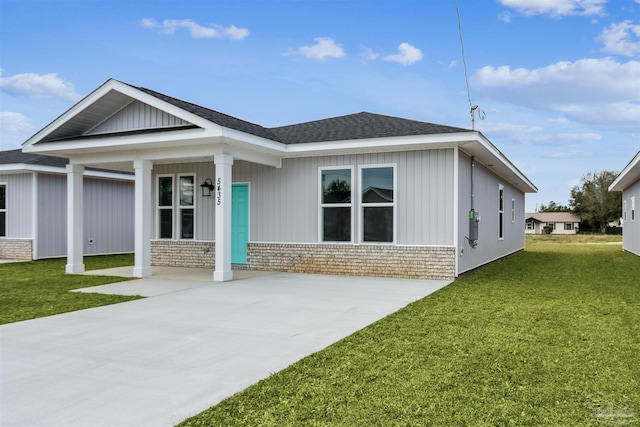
(629, 175)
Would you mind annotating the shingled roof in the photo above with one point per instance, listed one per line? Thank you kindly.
(18, 157)
(353, 126)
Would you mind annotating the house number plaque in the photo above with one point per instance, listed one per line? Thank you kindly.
(219, 191)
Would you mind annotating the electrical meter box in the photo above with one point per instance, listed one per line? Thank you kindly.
(474, 219)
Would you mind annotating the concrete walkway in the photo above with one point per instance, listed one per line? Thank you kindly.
(159, 360)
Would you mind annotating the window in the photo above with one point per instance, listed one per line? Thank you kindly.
(551, 225)
(624, 210)
(529, 226)
(568, 226)
(377, 203)
(3, 210)
(179, 201)
(633, 209)
(500, 212)
(513, 211)
(186, 205)
(336, 204)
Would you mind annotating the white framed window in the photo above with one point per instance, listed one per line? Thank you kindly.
(3, 210)
(377, 213)
(633, 209)
(176, 202)
(336, 204)
(568, 226)
(529, 226)
(500, 212)
(165, 192)
(186, 205)
(624, 210)
(513, 211)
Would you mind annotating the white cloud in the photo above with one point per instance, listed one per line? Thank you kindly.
(555, 8)
(324, 48)
(621, 39)
(600, 92)
(38, 86)
(369, 55)
(406, 55)
(13, 123)
(169, 26)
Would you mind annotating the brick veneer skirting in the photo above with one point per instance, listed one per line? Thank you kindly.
(21, 249)
(416, 262)
(183, 253)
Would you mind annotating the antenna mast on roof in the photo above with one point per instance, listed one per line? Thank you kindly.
(472, 107)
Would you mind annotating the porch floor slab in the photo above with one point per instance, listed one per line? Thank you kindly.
(159, 360)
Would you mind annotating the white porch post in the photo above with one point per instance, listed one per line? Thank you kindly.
(142, 245)
(75, 225)
(224, 164)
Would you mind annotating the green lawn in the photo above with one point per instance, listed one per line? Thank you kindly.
(41, 288)
(549, 337)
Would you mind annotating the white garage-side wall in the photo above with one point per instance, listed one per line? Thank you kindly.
(486, 203)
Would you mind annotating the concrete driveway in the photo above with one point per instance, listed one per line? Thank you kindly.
(159, 360)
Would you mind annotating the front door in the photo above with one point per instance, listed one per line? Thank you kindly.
(239, 223)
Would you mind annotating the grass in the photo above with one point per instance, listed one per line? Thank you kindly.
(549, 337)
(41, 288)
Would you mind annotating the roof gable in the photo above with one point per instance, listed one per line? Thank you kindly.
(629, 175)
(137, 116)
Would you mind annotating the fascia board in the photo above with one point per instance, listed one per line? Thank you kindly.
(629, 175)
(400, 143)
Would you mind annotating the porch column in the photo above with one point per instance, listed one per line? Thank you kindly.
(224, 164)
(142, 246)
(75, 221)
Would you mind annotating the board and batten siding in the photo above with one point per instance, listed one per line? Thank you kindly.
(19, 205)
(631, 229)
(136, 116)
(284, 201)
(52, 216)
(486, 202)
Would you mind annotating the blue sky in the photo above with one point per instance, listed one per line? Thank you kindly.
(558, 80)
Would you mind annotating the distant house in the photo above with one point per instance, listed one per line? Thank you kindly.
(33, 208)
(628, 181)
(362, 194)
(557, 222)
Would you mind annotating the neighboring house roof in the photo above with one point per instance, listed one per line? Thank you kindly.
(552, 217)
(629, 175)
(377, 195)
(97, 132)
(18, 157)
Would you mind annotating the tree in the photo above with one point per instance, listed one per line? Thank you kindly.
(593, 201)
(553, 207)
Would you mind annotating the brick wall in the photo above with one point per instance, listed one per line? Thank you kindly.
(181, 253)
(415, 262)
(21, 249)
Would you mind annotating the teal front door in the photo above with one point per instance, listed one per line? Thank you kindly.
(239, 223)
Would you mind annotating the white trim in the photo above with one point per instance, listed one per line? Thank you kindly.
(34, 215)
(627, 177)
(321, 206)
(6, 214)
(633, 208)
(456, 214)
(624, 211)
(513, 210)
(347, 243)
(361, 206)
(24, 167)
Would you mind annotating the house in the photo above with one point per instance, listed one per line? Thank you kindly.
(361, 194)
(33, 208)
(557, 222)
(628, 181)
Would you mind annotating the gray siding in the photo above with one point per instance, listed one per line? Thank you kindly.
(137, 115)
(486, 198)
(52, 216)
(108, 216)
(19, 204)
(284, 201)
(631, 229)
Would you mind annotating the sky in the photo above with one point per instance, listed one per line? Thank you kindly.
(557, 82)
